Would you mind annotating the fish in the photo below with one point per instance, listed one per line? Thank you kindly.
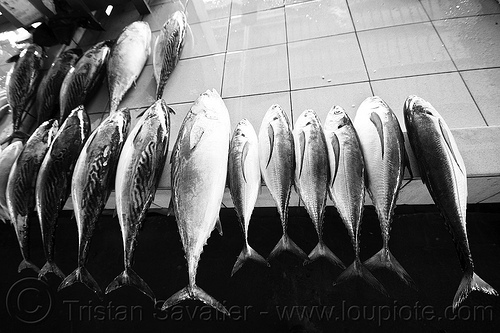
(347, 186)
(20, 192)
(277, 166)
(312, 176)
(167, 49)
(443, 171)
(128, 58)
(91, 187)
(244, 183)
(53, 183)
(138, 173)
(384, 154)
(22, 82)
(7, 160)
(47, 97)
(199, 168)
(84, 78)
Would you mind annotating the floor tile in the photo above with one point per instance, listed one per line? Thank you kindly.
(257, 29)
(142, 94)
(98, 102)
(484, 86)
(161, 13)
(493, 199)
(482, 188)
(326, 61)
(201, 11)
(205, 38)
(249, 6)
(473, 42)
(446, 92)
(370, 14)
(256, 71)
(404, 50)
(321, 100)
(95, 120)
(439, 9)
(317, 18)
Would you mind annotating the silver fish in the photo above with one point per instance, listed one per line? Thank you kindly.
(167, 49)
(277, 166)
(91, 186)
(199, 168)
(384, 154)
(127, 60)
(81, 80)
(312, 176)
(138, 172)
(244, 183)
(47, 96)
(7, 159)
(53, 182)
(21, 186)
(22, 81)
(443, 172)
(347, 187)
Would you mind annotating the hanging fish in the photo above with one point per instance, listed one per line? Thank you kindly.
(167, 49)
(91, 186)
(277, 166)
(199, 169)
(21, 186)
(47, 96)
(443, 172)
(22, 81)
(53, 182)
(127, 60)
(384, 154)
(244, 183)
(86, 76)
(347, 187)
(138, 172)
(7, 159)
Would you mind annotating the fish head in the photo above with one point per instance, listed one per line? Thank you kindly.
(32, 50)
(307, 121)
(210, 106)
(275, 115)
(244, 132)
(416, 107)
(373, 104)
(71, 55)
(336, 119)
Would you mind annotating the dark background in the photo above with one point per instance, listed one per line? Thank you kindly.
(259, 297)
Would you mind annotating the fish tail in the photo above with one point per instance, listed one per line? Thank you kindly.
(385, 259)
(130, 278)
(357, 269)
(193, 292)
(321, 250)
(51, 267)
(286, 244)
(248, 253)
(471, 282)
(81, 274)
(27, 264)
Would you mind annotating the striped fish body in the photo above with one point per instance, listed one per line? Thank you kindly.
(54, 179)
(47, 96)
(22, 82)
(7, 158)
(22, 181)
(127, 60)
(167, 49)
(81, 80)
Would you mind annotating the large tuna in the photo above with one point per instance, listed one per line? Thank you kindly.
(127, 60)
(7, 158)
(199, 167)
(138, 172)
(443, 172)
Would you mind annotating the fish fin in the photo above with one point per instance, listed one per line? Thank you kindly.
(81, 274)
(195, 136)
(244, 154)
(142, 113)
(286, 244)
(270, 133)
(385, 259)
(14, 58)
(194, 293)
(321, 250)
(248, 253)
(375, 119)
(448, 143)
(469, 283)
(51, 267)
(130, 278)
(357, 269)
(336, 151)
(302, 143)
(27, 264)
(218, 225)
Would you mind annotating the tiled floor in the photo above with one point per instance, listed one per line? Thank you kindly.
(318, 53)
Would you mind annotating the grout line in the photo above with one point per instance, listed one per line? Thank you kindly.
(288, 67)
(225, 52)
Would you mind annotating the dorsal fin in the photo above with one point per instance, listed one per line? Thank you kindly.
(448, 143)
(375, 119)
(244, 154)
(270, 133)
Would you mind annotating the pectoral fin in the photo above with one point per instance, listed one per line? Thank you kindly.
(336, 154)
(270, 133)
(195, 136)
(375, 119)
(302, 143)
(244, 154)
(218, 225)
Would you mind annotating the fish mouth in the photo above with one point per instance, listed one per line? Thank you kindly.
(415, 104)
